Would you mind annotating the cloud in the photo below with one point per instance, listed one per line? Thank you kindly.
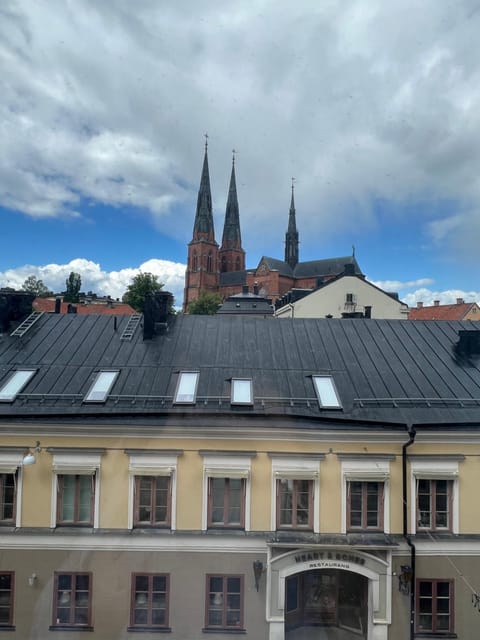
(361, 103)
(445, 297)
(94, 278)
(398, 285)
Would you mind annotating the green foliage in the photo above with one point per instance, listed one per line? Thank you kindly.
(73, 282)
(36, 286)
(207, 304)
(138, 288)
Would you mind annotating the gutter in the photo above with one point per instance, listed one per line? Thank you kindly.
(408, 539)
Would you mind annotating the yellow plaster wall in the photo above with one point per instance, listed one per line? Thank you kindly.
(261, 489)
(114, 490)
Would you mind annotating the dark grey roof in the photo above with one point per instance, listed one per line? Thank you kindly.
(326, 268)
(386, 371)
(228, 278)
(249, 304)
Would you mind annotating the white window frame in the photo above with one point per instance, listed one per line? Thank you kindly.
(234, 382)
(182, 380)
(25, 376)
(368, 469)
(75, 462)
(333, 390)
(106, 391)
(296, 468)
(11, 462)
(226, 465)
(149, 463)
(434, 468)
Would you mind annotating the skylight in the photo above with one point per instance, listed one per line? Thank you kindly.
(12, 387)
(242, 392)
(101, 387)
(186, 392)
(326, 392)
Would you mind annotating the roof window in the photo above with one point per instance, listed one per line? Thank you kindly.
(186, 391)
(242, 392)
(326, 392)
(12, 387)
(100, 389)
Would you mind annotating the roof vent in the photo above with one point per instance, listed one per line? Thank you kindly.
(436, 303)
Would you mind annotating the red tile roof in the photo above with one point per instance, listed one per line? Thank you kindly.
(441, 312)
(116, 308)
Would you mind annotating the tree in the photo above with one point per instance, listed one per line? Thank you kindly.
(73, 282)
(36, 286)
(138, 288)
(207, 304)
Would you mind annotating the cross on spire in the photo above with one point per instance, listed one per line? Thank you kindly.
(206, 141)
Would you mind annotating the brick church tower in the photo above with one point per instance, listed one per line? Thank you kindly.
(202, 263)
(231, 254)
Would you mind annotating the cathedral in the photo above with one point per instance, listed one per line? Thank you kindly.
(222, 270)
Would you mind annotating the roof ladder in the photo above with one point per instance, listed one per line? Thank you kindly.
(132, 324)
(22, 328)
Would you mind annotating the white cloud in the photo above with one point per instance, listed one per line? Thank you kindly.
(398, 285)
(94, 278)
(102, 101)
(451, 296)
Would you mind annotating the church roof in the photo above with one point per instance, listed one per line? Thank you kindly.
(231, 278)
(328, 267)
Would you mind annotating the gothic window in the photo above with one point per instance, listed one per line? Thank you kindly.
(209, 262)
(194, 261)
(224, 264)
(237, 264)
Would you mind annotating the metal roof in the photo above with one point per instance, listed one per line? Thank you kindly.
(385, 371)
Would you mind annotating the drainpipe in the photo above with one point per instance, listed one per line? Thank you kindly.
(411, 440)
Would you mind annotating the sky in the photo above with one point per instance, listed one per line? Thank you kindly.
(372, 106)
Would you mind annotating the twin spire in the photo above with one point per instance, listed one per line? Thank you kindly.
(232, 240)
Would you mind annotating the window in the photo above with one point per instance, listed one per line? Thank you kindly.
(186, 391)
(238, 264)
(72, 600)
(364, 505)
(7, 579)
(326, 392)
(75, 500)
(149, 601)
(433, 504)
(8, 498)
(226, 489)
(294, 504)
(434, 485)
(226, 502)
(224, 606)
(434, 606)
(100, 389)
(12, 387)
(194, 261)
(242, 392)
(152, 501)
(209, 262)
(365, 492)
(75, 486)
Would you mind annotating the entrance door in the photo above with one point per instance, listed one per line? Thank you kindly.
(326, 604)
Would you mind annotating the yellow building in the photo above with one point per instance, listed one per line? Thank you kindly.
(204, 476)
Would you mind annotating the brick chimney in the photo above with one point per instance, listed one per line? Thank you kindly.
(459, 300)
(436, 303)
(419, 305)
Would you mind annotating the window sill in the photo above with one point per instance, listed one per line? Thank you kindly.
(140, 629)
(69, 627)
(224, 630)
(7, 627)
(438, 634)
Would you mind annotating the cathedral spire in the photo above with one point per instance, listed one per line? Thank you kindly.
(232, 256)
(203, 227)
(231, 231)
(291, 237)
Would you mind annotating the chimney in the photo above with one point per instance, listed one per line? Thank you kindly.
(58, 305)
(245, 289)
(71, 308)
(459, 300)
(419, 305)
(349, 269)
(368, 312)
(156, 313)
(255, 288)
(436, 303)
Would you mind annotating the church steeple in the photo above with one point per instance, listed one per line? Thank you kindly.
(291, 237)
(202, 263)
(232, 256)
(203, 227)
